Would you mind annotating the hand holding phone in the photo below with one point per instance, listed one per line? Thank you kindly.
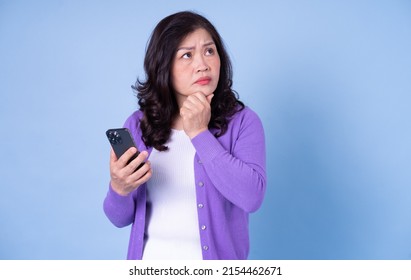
(121, 140)
(123, 179)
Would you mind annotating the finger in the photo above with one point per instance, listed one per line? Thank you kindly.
(123, 160)
(140, 173)
(143, 179)
(135, 163)
(200, 96)
(195, 102)
(188, 107)
(186, 114)
(140, 177)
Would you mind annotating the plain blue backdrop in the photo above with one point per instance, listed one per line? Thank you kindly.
(331, 81)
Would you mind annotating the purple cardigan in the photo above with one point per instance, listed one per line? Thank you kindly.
(230, 182)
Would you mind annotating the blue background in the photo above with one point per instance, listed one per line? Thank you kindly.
(331, 81)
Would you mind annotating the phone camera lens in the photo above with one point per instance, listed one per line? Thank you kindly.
(112, 137)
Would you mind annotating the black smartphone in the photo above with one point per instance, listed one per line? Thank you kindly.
(121, 140)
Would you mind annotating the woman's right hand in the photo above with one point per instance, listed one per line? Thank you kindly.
(124, 177)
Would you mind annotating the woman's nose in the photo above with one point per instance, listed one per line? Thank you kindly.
(201, 64)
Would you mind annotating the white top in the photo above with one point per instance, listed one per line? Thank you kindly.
(172, 224)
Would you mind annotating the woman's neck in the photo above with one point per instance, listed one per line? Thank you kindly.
(177, 123)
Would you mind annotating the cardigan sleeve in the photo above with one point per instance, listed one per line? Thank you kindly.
(120, 210)
(235, 162)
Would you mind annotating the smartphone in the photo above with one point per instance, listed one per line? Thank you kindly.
(121, 140)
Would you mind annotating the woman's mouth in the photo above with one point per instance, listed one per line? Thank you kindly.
(203, 81)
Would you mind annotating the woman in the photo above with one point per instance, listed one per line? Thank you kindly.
(206, 151)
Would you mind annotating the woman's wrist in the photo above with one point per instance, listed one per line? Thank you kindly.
(193, 134)
(118, 189)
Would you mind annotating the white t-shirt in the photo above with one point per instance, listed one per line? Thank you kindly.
(172, 230)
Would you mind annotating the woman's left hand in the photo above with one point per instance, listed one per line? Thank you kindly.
(196, 113)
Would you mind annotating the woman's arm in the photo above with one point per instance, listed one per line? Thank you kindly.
(239, 174)
(119, 209)
(126, 179)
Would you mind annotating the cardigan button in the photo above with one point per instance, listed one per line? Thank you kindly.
(200, 205)
(205, 248)
(203, 227)
(201, 184)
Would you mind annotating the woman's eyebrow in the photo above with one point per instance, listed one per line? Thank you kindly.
(208, 44)
(192, 48)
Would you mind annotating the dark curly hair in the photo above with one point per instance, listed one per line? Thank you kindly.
(156, 96)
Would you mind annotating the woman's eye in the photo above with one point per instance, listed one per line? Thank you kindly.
(186, 55)
(210, 51)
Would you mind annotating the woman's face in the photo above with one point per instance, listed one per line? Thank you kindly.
(196, 66)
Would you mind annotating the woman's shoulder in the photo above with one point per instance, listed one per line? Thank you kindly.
(133, 121)
(245, 114)
(245, 119)
(133, 125)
